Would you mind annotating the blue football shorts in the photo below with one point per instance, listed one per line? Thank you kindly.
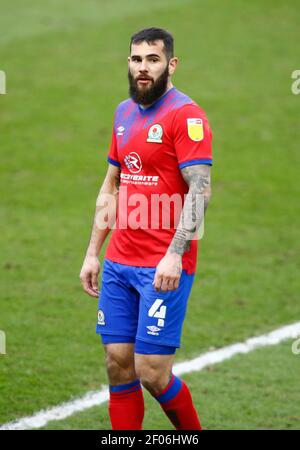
(131, 310)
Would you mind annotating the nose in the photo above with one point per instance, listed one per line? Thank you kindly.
(144, 66)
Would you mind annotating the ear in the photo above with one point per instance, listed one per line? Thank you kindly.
(172, 65)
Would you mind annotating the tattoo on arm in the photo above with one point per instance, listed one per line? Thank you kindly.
(196, 201)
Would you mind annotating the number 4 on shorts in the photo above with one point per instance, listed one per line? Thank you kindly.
(158, 312)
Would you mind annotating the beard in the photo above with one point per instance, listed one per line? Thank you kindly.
(148, 95)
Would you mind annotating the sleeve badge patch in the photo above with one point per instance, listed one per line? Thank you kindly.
(195, 129)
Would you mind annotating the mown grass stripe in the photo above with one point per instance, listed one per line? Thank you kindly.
(96, 398)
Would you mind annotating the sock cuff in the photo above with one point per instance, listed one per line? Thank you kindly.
(125, 388)
(170, 391)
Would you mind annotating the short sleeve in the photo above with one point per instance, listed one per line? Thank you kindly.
(192, 136)
(113, 151)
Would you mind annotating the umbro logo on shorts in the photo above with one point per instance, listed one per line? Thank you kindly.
(153, 330)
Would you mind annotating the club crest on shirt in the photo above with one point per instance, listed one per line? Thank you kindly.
(155, 133)
(101, 318)
(195, 129)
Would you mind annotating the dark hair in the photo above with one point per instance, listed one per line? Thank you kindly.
(154, 34)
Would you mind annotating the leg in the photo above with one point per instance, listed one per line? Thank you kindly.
(155, 373)
(117, 323)
(120, 363)
(161, 317)
(126, 402)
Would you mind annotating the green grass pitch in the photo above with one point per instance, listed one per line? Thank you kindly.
(66, 70)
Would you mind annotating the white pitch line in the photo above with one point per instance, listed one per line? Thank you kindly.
(96, 398)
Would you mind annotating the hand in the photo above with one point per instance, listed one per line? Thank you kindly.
(168, 272)
(89, 275)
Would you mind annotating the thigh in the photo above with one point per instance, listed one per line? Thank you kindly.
(118, 305)
(161, 314)
(119, 359)
(160, 363)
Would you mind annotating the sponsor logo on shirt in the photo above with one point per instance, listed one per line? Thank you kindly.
(195, 129)
(145, 180)
(133, 162)
(155, 134)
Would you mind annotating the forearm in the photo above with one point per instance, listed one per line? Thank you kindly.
(193, 211)
(97, 238)
(190, 220)
(105, 215)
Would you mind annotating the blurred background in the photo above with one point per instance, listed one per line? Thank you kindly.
(66, 71)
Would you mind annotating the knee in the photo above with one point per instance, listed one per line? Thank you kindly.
(153, 379)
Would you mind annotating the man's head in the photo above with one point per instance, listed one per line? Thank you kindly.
(150, 65)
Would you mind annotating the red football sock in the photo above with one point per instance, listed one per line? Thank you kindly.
(126, 406)
(177, 403)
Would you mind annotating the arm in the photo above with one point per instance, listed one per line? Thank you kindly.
(169, 269)
(106, 207)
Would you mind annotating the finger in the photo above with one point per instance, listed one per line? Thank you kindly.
(90, 291)
(171, 284)
(95, 286)
(176, 283)
(164, 284)
(157, 281)
(87, 286)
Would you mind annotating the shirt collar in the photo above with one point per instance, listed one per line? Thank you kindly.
(156, 103)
